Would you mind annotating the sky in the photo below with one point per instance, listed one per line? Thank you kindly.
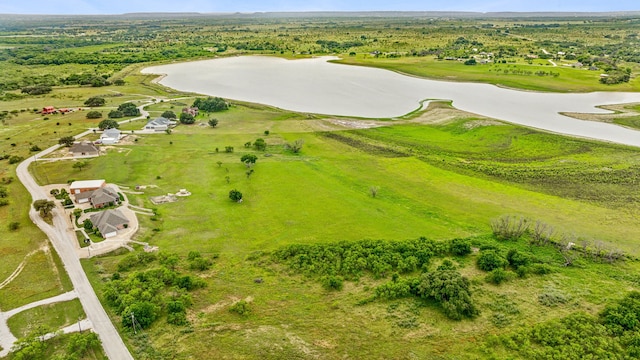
(128, 6)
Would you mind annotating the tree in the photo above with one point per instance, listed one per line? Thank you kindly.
(66, 141)
(295, 146)
(235, 195)
(249, 159)
(115, 114)
(94, 114)
(169, 115)
(187, 119)
(87, 225)
(260, 144)
(211, 104)
(213, 122)
(144, 313)
(129, 109)
(80, 164)
(108, 124)
(451, 290)
(95, 101)
(119, 82)
(44, 207)
(77, 212)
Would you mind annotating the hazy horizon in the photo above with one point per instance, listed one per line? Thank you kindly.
(95, 7)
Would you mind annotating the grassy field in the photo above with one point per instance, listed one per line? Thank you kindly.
(322, 195)
(438, 176)
(508, 75)
(53, 316)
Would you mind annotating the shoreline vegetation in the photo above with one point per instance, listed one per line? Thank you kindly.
(351, 232)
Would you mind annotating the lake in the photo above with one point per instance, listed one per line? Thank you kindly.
(317, 86)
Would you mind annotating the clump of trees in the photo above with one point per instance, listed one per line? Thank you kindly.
(211, 104)
(129, 109)
(108, 124)
(95, 101)
(66, 141)
(153, 293)
(94, 114)
(614, 333)
(169, 115)
(352, 259)
(187, 119)
(36, 89)
(44, 207)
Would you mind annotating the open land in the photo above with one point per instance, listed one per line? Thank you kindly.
(270, 277)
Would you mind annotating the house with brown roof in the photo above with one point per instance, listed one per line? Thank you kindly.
(84, 149)
(103, 197)
(193, 111)
(109, 222)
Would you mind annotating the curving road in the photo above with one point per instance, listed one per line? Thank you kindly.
(62, 239)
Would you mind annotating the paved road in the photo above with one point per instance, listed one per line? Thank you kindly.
(62, 239)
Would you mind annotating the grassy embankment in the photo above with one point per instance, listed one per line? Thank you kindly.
(568, 79)
(322, 196)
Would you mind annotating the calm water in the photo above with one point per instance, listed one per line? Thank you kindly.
(316, 86)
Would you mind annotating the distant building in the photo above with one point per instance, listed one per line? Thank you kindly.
(84, 149)
(109, 222)
(193, 111)
(159, 124)
(110, 137)
(48, 110)
(82, 186)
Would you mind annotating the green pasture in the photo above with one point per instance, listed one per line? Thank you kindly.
(568, 80)
(43, 276)
(53, 316)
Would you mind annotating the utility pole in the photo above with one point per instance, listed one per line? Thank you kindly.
(133, 323)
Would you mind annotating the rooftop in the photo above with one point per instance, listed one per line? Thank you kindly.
(87, 184)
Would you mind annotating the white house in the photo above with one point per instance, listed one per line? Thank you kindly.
(110, 136)
(159, 124)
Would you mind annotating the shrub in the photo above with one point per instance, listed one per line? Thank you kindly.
(235, 195)
(35, 148)
(553, 297)
(213, 122)
(624, 315)
(460, 247)
(490, 260)
(497, 276)
(332, 282)
(241, 308)
(14, 159)
(14, 225)
(200, 264)
(517, 259)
